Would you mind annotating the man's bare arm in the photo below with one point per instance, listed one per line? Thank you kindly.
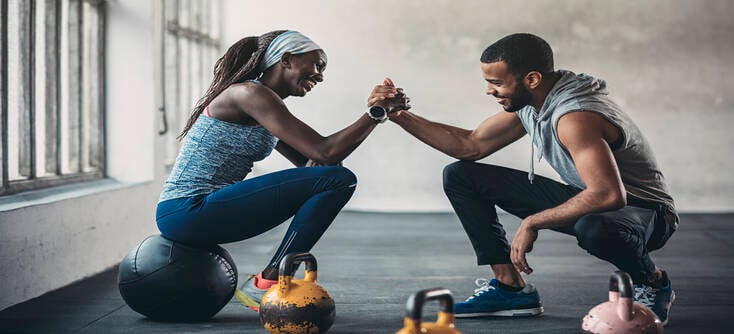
(583, 135)
(491, 135)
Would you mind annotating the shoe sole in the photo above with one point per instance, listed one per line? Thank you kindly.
(246, 300)
(528, 312)
(669, 306)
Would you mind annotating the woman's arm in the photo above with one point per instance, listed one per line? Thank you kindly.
(262, 104)
(292, 155)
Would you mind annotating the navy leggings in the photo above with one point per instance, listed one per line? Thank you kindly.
(619, 236)
(315, 195)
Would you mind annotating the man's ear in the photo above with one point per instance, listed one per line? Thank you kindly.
(285, 59)
(532, 79)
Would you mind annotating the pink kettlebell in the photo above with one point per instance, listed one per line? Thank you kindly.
(621, 314)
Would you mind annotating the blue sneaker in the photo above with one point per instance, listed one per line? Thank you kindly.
(490, 300)
(658, 299)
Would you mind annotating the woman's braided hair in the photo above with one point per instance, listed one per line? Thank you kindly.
(239, 64)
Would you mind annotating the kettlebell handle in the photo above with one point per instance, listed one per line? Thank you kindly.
(620, 292)
(288, 266)
(414, 306)
(621, 283)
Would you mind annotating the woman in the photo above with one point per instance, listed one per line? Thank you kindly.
(205, 200)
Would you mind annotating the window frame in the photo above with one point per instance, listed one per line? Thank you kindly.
(53, 108)
(193, 31)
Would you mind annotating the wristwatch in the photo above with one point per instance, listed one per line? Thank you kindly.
(377, 113)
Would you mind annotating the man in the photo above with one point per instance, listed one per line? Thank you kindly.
(615, 201)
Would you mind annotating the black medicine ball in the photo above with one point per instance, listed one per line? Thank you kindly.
(166, 280)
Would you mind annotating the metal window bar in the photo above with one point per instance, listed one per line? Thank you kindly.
(186, 70)
(3, 93)
(52, 102)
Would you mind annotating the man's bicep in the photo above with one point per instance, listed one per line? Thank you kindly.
(497, 132)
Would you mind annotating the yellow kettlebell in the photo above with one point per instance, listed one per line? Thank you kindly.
(297, 306)
(414, 308)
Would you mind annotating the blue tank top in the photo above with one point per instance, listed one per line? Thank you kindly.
(214, 155)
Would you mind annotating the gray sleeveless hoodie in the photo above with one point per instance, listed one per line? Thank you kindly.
(639, 170)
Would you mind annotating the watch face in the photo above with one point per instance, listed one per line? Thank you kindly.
(377, 112)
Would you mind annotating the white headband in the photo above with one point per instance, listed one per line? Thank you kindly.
(289, 41)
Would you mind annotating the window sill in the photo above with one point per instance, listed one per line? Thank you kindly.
(59, 193)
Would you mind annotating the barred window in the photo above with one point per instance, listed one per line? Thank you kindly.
(190, 49)
(52, 92)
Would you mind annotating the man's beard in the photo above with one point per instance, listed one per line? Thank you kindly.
(520, 98)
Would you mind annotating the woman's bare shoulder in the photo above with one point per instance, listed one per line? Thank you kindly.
(250, 89)
(252, 93)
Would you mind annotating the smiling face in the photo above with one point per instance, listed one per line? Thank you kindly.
(509, 91)
(305, 71)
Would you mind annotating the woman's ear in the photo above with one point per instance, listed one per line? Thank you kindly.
(285, 59)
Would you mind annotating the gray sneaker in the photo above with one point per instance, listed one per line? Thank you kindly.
(250, 295)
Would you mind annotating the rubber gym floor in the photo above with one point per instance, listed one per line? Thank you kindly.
(370, 263)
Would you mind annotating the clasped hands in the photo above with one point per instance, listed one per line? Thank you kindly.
(387, 96)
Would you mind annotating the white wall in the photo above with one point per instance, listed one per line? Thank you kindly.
(666, 62)
(51, 238)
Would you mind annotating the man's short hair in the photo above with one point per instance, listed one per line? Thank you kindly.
(522, 52)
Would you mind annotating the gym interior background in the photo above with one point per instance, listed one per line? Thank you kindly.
(94, 93)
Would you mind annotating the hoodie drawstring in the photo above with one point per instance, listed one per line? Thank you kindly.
(531, 174)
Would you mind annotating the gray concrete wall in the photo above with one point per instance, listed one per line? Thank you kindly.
(666, 62)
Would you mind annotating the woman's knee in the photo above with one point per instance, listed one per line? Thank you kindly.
(342, 176)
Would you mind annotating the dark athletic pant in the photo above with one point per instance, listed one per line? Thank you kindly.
(315, 195)
(474, 189)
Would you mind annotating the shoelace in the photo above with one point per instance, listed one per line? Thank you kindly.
(645, 295)
(483, 286)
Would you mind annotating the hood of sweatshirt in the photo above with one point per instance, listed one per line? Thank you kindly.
(571, 92)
